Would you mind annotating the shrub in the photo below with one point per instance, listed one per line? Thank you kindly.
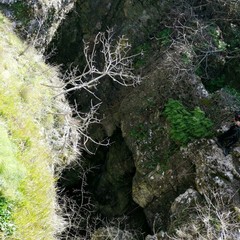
(186, 125)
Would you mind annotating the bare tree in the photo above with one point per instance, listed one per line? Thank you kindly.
(116, 63)
(105, 58)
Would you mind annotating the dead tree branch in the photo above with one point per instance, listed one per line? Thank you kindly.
(116, 63)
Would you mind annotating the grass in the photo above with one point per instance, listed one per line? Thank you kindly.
(27, 181)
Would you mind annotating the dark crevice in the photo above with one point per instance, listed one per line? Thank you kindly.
(109, 183)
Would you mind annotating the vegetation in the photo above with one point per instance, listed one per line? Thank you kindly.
(216, 84)
(161, 38)
(28, 113)
(33, 116)
(39, 127)
(186, 125)
(139, 133)
(22, 11)
(213, 218)
(164, 37)
(141, 60)
(6, 221)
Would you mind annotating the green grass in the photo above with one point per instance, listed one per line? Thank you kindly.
(11, 171)
(27, 182)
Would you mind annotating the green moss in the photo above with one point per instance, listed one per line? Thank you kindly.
(11, 174)
(206, 102)
(11, 171)
(139, 133)
(141, 60)
(164, 37)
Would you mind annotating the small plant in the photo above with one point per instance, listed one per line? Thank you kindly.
(141, 60)
(186, 58)
(234, 92)
(21, 11)
(233, 37)
(186, 125)
(164, 37)
(6, 222)
(215, 33)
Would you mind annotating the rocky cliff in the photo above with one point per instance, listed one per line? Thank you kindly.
(166, 165)
(186, 48)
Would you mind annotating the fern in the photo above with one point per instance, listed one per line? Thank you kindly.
(186, 125)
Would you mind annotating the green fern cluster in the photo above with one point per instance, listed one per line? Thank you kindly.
(186, 125)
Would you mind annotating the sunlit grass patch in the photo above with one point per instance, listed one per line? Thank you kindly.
(27, 108)
(11, 173)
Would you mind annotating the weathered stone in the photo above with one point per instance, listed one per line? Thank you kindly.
(185, 200)
(164, 173)
(141, 191)
(213, 169)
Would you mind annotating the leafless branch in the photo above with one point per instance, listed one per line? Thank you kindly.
(105, 58)
(116, 63)
(85, 120)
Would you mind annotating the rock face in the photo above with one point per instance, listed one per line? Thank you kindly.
(215, 194)
(169, 178)
(213, 169)
(138, 20)
(111, 184)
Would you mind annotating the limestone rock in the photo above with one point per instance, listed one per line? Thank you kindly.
(184, 200)
(213, 169)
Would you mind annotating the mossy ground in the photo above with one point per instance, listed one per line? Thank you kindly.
(26, 158)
